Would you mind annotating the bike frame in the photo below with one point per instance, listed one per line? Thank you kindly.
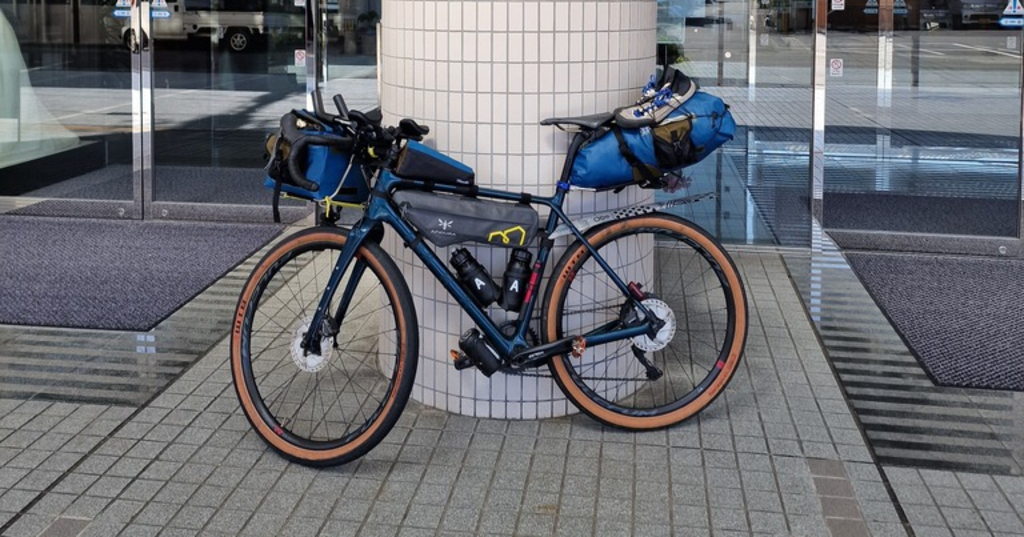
(381, 210)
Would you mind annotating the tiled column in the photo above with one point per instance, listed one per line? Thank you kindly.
(481, 75)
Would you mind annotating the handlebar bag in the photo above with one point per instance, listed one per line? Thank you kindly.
(623, 156)
(445, 220)
(417, 161)
(329, 167)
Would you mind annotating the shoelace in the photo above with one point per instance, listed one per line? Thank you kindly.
(661, 98)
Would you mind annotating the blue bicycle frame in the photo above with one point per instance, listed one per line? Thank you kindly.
(381, 210)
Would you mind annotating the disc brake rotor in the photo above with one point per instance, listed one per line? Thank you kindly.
(667, 332)
(308, 361)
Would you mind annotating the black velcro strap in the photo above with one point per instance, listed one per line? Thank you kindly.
(415, 242)
(525, 198)
(634, 162)
(376, 194)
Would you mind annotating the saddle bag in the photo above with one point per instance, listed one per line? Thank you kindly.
(658, 136)
(445, 220)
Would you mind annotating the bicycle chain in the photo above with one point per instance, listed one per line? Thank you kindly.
(527, 373)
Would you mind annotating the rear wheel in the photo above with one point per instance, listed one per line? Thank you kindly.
(690, 283)
(333, 405)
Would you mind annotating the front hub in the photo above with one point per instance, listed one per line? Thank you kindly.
(308, 361)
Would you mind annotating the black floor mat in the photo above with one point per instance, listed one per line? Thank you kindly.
(921, 214)
(113, 274)
(959, 315)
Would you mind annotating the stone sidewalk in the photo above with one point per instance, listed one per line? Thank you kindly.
(779, 454)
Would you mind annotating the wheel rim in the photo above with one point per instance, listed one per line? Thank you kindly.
(238, 41)
(676, 271)
(328, 405)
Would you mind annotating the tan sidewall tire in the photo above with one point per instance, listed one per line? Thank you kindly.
(578, 252)
(396, 398)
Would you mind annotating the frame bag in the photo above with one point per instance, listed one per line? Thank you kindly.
(445, 220)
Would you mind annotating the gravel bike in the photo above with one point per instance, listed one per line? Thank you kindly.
(642, 323)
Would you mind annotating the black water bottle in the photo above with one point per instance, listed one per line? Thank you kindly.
(517, 277)
(474, 277)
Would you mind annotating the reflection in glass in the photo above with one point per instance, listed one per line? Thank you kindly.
(66, 110)
(757, 56)
(923, 127)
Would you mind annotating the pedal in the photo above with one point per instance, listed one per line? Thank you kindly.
(460, 360)
(579, 346)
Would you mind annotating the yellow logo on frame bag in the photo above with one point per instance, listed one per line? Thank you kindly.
(504, 235)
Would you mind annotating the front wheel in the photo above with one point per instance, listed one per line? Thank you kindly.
(689, 282)
(333, 405)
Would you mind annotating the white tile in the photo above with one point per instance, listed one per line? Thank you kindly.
(547, 16)
(442, 15)
(576, 17)
(589, 47)
(418, 42)
(499, 16)
(547, 47)
(590, 16)
(455, 113)
(499, 48)
(499, 140)
(470, 81)
(531, 16)
(562, 47)
(546, 76)
(515, 47)
(575, 78)
(483, 47)
(469, 140)
(469, 47)
(603, 14)
(484, 17)
(515, 108)
(515, 139)
(455, 46)
(469, 15)
(531, 47)
(561, 16)
(531, 82)
(499, 78)
(575, 47)
(454, 15)
(469, 109)
(458, 81)
(515, 78)
(430, 15)
(589, 77)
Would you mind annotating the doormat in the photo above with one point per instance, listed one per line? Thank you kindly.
(113, 274)
(961, 316)
(921, 214)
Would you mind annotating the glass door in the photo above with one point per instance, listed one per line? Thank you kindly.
(67, 108)
(923, 122)
(222, 78)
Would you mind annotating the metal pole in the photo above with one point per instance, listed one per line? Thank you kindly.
(820, 72)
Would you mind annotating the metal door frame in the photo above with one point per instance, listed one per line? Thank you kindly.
(900, 241)
(143, 122)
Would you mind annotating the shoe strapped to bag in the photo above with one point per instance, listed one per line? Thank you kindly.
(672, 126)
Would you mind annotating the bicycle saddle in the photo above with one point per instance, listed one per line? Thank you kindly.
(590, 122)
